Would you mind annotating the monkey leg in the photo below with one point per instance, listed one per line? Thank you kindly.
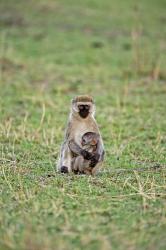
(84, 167)
(97, 167)
(78, 164)
(65, 161)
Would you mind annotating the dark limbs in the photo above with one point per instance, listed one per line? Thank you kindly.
(76, 149)
(93, 157)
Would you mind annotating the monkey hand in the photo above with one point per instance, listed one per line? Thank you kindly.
(86, 155)
(94, 160)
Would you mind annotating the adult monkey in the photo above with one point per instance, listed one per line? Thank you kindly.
(81, 120)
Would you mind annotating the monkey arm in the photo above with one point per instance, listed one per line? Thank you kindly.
(76, 149)
(94, 160)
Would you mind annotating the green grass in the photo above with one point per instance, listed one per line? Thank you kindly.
(51, 51)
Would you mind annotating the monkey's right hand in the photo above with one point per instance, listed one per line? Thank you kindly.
(86, 154)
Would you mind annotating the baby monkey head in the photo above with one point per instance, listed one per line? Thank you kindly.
(83, 106)
(90, 138)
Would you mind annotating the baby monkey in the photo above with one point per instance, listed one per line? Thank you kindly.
(89, 143)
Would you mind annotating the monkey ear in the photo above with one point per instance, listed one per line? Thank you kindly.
(74, 106)
(73, 100)
(94, 142)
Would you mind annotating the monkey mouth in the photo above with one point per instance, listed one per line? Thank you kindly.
(84, 113)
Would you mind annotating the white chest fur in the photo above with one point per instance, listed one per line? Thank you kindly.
(83, 127)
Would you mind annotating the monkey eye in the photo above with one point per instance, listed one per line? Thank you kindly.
(81, 107)
(86, 107)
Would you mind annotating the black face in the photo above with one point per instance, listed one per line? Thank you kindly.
(84, 110)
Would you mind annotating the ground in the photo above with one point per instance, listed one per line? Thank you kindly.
(51, 51)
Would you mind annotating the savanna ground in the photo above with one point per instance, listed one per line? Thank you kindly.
(51, 51)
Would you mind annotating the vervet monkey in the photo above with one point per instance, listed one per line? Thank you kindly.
(81, 121)
(89, 143)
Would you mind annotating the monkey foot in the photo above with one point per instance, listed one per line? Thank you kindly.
(64, 169)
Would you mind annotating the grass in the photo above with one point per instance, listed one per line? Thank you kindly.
(51, 51)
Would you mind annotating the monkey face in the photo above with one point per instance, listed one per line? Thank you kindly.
(83, 106)
(90, 138)
(84, 110)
